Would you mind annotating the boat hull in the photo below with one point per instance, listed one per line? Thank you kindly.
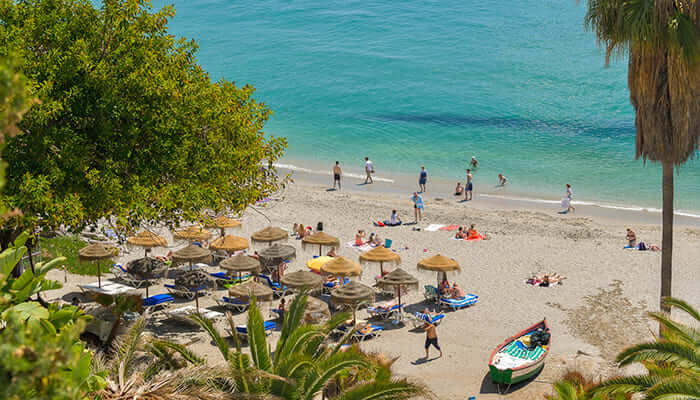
(519, 374)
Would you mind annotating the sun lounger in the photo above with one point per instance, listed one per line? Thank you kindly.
(369, 332)
(277, 289)
(456, 304)
(157, 302)
(385, 312)
(223, 279)
(328, 286)
(182, 291)
(430, 292)
(123, 275)
(110, 288)
(242, 330)
(233, 303)
(182, 314)
(420, 318)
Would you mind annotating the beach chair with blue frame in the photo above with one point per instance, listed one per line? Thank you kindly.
(157, 302)
(185, 292)
(242, 330)
(233, 304)
(393, 311)
(430, 293)
(420, 318)
(456, 304)
(277, 289)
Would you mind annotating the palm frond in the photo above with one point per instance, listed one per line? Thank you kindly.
(626, 385)
(187, 354)
(328, 368)
(298, 340)
(676, 331)
(683, 305)
(677, 389)
(257, 339)
(292, 318)
(208, 326)
(336, 320)
(385, 390)
(683, 355)
(126, 346)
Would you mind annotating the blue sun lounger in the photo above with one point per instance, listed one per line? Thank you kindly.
(456, 304)
(277, 289)
(420, 318)
(157, 302)
(384, 312)
(242, 330)
(328, 286)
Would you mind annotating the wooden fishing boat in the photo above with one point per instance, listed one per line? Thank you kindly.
(512, 361)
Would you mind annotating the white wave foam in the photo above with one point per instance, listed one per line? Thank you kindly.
(293, 167)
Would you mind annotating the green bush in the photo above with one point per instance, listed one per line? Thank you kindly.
(68, 246)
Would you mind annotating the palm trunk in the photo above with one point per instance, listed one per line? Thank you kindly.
(667, 241)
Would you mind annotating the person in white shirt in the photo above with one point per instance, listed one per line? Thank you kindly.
(369, 169)
(570, 196)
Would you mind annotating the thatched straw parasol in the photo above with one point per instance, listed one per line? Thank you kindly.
(276, 254)
(97, 251)
(192, 233)
(439, 264)
(341, 266)
(222, 222)
(191, 253)
(320, 239)
(269, 235)
(230, 243)
(380, 255)
(195, 280)
(147, 240)
(241, 263)
(316, 310)
(302, 280)
(399, 278)
(353, 293)
(147, 269)
(249, 289)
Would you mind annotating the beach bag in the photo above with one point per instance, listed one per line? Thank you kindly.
(319, 226)
(387, 243)
(642, 246)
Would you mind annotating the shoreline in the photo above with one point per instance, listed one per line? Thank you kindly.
(439, 190)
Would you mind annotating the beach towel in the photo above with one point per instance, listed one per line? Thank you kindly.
(477, 237)
(365, 247)
(434, 227)
(450, 228)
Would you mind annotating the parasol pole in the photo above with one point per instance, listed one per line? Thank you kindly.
(99, 275)
(196, 297)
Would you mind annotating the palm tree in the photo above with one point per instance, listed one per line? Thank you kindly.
(304, 361)
(672, 361)
(662, 38)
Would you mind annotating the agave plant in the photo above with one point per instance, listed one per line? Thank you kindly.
(672, 361)
(304, 361)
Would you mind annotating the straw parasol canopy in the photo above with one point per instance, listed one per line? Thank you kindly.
(249, 289)
(230, 243)
(341, 266)
(380, 255)
(353, 293)
(269, 235)
(191, 253)
(302, 280)
(97, 251)
(320, 239)
(195, 280)
(222, 222)
(241, 263)
(147, 269)
(399, 278)
(316, 310)
(147, 239)
(192, 233)
(439, 263)
(276, 254)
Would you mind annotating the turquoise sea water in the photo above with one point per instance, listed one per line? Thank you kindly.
(520, 85)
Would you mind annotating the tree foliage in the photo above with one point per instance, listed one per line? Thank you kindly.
(127, 124)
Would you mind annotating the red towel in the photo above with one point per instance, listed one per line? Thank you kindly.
(450, 228)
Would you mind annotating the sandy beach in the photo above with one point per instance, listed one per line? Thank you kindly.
(599, 309)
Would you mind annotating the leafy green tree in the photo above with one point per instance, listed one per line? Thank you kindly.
(128, 125)
(672, 361)
(304, 362)
(662, 39)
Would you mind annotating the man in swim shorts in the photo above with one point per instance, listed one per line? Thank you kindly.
(430, 338)
(422, 179)
(337, 172)
(469, 186)
(369, 170)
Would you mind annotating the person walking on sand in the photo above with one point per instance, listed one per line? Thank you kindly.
(369, 170)
(431, 338)
(469, 186)
(501, 180)
(570, 196)
(337, 172)
(417, 206)
(422, 179)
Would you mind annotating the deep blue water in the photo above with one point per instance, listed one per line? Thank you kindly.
(520, 85)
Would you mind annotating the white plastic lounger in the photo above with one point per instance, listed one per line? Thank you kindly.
(110, 288)
(182, 314)
(456, 304)
(242, 330)
(232, 303)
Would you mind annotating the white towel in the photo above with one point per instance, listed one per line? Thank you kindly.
(434, 227)
(363, 248)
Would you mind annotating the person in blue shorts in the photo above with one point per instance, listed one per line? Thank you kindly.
(423, 179)
(469, 186)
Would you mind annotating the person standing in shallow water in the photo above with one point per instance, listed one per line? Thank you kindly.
(570, 196)
(422, 179)
(337, 172)
(469, 186)
(369, 170)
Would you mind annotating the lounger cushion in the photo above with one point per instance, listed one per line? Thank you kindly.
(157, 299)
